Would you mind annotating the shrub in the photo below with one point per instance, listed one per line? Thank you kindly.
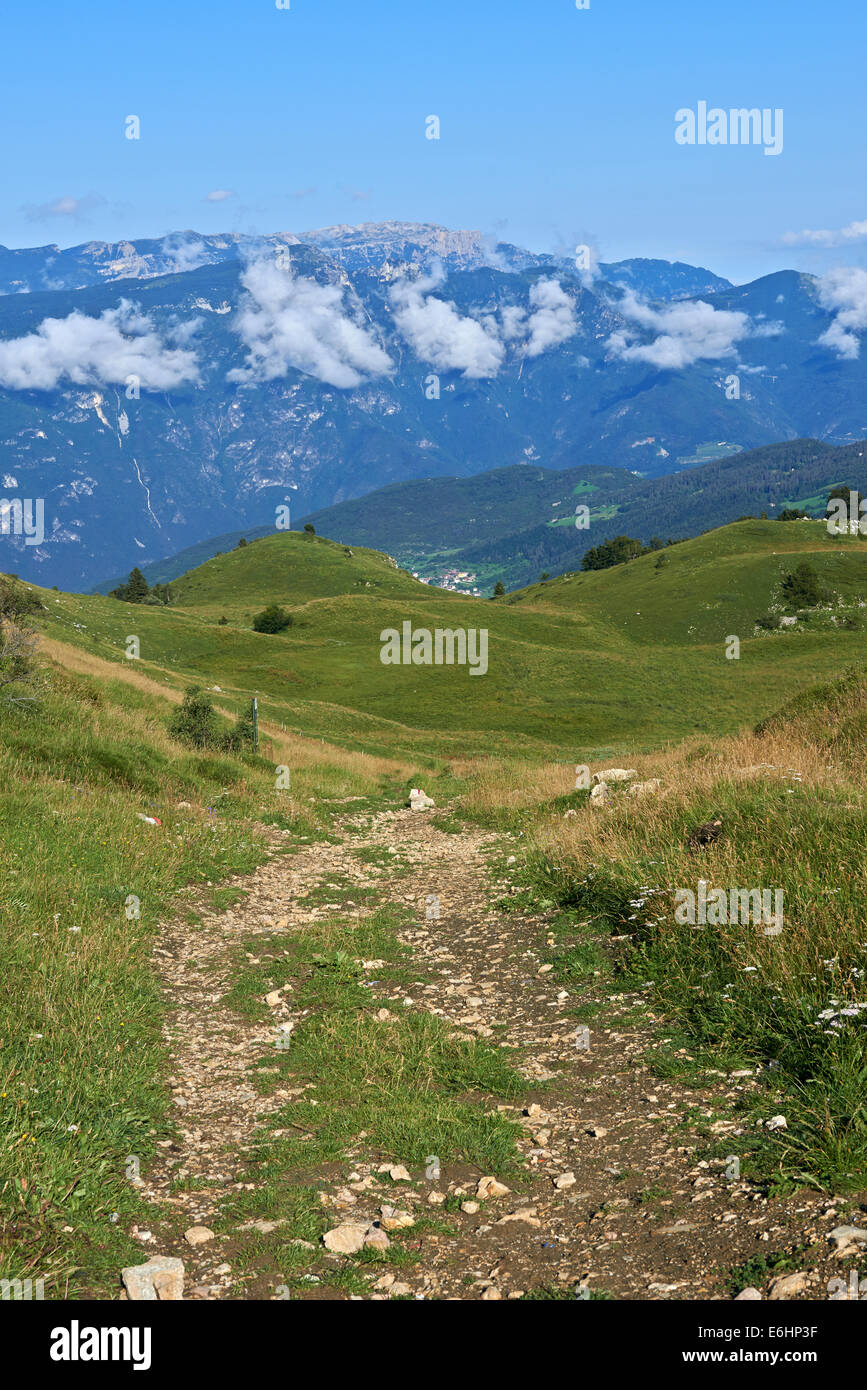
(16, 601)
(19, 682)
(196, 722)
(801, 588)
(240, 736)
(272, 619)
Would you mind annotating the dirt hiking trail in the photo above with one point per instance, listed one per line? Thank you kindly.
(618, 1196)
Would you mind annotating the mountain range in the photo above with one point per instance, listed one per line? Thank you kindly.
(159, 393)
(513, 524)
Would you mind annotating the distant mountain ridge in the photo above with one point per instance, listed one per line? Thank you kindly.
(512, 524)
(363, 366)
(374, 246)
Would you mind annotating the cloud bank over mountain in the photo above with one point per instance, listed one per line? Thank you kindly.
(684, 333)
(475, 344)
(103, 351)
(288, 321)
(844, 292)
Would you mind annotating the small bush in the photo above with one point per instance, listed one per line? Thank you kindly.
(272, 619)
(801, 588)
(196, 722)
(16, 601)
(240, 736)
(19, 681)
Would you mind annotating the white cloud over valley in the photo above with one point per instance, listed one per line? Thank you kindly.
(441, 335)
(685, 332)
(843, 292)
(286, 321)
(101, 351)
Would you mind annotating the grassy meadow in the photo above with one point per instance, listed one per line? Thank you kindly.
(626, 664)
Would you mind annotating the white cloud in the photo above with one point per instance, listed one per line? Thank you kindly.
(286, 322)
(550, 322)
(844, 293)
(685, 332)
(74, 208)
(439, 334)
(102, 351)
(219, 195)
(553, 318)
(186, 252)
(843, 236)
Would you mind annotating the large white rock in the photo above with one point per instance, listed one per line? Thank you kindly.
(161, 1279)
(600, 794)
(844, 1236)
(615, 774)
(347, 1239)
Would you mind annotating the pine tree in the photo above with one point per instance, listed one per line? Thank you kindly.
(136, 586)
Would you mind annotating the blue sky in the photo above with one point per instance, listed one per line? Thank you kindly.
(557, 124)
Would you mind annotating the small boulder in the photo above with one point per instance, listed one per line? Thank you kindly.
(198, 1235)
(160, 1280)
(490, 1187)
(615, 774)
(347, 1239)
(788, 1286)
(376, 1239)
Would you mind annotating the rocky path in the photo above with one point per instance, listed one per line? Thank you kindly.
(620, 1196)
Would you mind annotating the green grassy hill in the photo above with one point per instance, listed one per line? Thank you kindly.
(631, 656)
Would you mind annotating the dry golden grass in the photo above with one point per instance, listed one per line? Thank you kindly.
(688, 774)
